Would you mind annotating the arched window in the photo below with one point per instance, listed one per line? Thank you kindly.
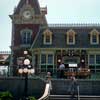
(47, 37)
(94, 37)
(26, 36)
(70, 37)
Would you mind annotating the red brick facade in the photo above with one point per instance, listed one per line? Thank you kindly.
(19, 27)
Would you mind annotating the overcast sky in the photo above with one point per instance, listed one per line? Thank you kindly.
(59, 11)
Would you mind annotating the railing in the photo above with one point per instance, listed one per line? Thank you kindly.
(46, 94)
(81, 72)
(5, 52)
(78, 93)
(75, 25)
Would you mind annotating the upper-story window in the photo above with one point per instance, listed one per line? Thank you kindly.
(47, 37)
(70, 37)
(26, 36)
(94, 37)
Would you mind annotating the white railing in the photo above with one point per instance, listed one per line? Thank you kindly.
(46, 94)
(5, 52)
(78, 92)
(75, 25)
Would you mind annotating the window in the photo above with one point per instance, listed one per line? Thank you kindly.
(97, 59)
(91, 59)
(26, 36)
(50, 59)
(94, 62)
(43, 59)
(70, 37)
(47, 40)
(47, 37)
(47, 62)
(94, 37)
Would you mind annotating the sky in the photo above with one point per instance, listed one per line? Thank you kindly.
(59, 12)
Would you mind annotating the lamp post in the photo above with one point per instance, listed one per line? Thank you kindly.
(26, 70)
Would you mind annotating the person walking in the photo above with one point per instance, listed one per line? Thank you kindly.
(73, 87)
(48, 78)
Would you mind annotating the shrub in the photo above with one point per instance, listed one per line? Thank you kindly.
(6, 96)
(31, 98)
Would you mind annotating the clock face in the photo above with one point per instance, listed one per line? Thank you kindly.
(27, 14)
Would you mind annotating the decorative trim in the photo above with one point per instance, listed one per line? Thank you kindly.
(47, 35)
(72, 34)
(26, 30)
(80, 25)
(92, 33)
(29, 36)
(27, 7)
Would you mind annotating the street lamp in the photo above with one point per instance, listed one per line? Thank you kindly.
(59, 60)
(26, 70)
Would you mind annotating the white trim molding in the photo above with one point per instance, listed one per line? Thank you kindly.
(94, 33)
(70, 35)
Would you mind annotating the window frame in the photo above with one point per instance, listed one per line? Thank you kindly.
(71, 33)
(47, 33)
(26, 36)
(92, 59)
(47, 63)
(95, 65)
(94, 32)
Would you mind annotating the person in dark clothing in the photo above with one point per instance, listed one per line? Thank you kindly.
(73, 87)
(61, 69)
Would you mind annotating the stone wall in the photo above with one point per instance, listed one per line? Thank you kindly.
(16, 86)
(87, 87)
(36, 86)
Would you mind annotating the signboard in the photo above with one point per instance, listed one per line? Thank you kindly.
(72, 65)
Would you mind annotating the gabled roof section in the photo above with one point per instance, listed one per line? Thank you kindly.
(59, 37)
(71, 31)
(94, 31)
(34, 4)
(47, 32)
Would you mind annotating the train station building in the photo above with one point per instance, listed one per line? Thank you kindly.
(48, 44)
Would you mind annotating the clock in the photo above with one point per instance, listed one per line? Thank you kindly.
(27, 14)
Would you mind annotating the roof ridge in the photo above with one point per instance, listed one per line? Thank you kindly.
(35, 39)
(73, 24)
